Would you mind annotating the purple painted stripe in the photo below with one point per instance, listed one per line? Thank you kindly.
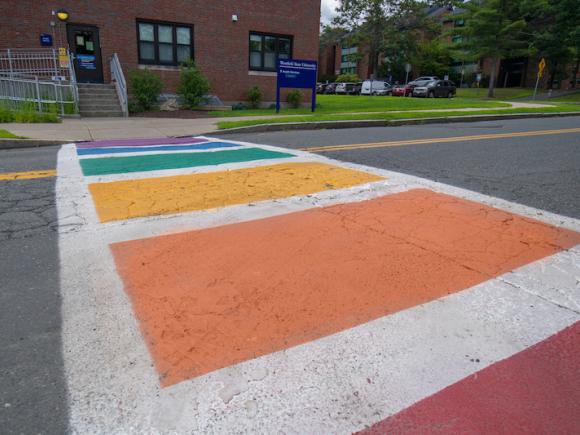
(140, 142)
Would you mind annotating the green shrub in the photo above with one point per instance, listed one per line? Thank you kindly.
(328, 78)
(26, 113)
(254, 97)
(347, 78)
(6, 115)
(145, 89)
(193, 85)
(294, 98)
(239, 106)
(30, 116)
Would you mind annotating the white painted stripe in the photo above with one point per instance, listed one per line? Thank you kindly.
(149, 153)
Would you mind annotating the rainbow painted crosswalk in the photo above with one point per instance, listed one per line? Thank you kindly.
(217, 286)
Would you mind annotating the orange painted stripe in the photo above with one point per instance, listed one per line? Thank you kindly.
(212, 298)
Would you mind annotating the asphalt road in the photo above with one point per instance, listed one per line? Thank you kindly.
(538, 171)
(32, 383)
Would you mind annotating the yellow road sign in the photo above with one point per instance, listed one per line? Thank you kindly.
(541, 67)
(62, 57)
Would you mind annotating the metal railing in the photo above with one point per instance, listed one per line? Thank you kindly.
(44, 63)
(38, 80)
(120, 84)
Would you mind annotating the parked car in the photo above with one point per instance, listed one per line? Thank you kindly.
(435, 89)
(348, 88)
(330, 88)
(423, 79)
(402, 91)
(376, 87)
(321, 87)
(341, 88)
(357, 88)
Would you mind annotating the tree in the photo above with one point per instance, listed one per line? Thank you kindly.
(434, 57)
(494, 29)
(376, 23)
(558, 36)
(550, 32)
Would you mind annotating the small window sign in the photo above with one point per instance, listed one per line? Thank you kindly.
(46, 39)
(86, 61)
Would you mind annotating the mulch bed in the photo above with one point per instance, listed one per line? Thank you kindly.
(183, 114)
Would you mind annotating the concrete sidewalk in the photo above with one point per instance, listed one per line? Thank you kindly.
(113, 128)
(121, 128)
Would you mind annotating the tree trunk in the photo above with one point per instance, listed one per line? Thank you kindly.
(372, 67)
(552, 75)
(492, 77)
(575, 73)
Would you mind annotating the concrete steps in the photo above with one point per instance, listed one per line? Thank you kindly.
(99, 100)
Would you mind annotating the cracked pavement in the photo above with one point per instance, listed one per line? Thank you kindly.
(32, 385)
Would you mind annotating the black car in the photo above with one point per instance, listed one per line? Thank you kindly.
(435, 89)
(356, 88)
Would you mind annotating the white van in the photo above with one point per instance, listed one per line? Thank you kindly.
(375, 87)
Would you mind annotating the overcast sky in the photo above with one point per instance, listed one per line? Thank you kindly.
(328, 10)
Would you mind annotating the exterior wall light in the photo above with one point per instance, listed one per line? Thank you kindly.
(62, 15)
(235, 18)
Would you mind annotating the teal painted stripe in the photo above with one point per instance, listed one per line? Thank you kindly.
(156, 162)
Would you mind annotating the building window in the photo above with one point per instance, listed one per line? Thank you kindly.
(266, 49)
(457, 39)
(164, 43)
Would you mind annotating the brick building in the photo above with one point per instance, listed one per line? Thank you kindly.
(344, 58)
(235, 44)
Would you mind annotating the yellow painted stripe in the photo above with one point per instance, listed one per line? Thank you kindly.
(439, 140)
(120, 200)
(8, 176)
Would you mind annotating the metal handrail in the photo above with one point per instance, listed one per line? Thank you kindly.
(73, 80)
(120, 83)
(35, 90)
(37, 76)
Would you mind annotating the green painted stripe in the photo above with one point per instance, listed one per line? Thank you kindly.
(155, 162)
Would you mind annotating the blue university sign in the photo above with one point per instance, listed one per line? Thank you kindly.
(46, 39)
(295, 73)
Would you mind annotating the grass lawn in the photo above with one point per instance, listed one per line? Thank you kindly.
(393, 116)
(5, 134)
(573, 98)
(500, 93)
(330, 104)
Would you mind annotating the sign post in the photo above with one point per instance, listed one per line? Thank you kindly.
(541, 68)
(295, 73)
(408, 68)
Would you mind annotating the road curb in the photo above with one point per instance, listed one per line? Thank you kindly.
(323, 125)
(9, 144)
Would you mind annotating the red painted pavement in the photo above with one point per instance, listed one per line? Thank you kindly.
(536, 391)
